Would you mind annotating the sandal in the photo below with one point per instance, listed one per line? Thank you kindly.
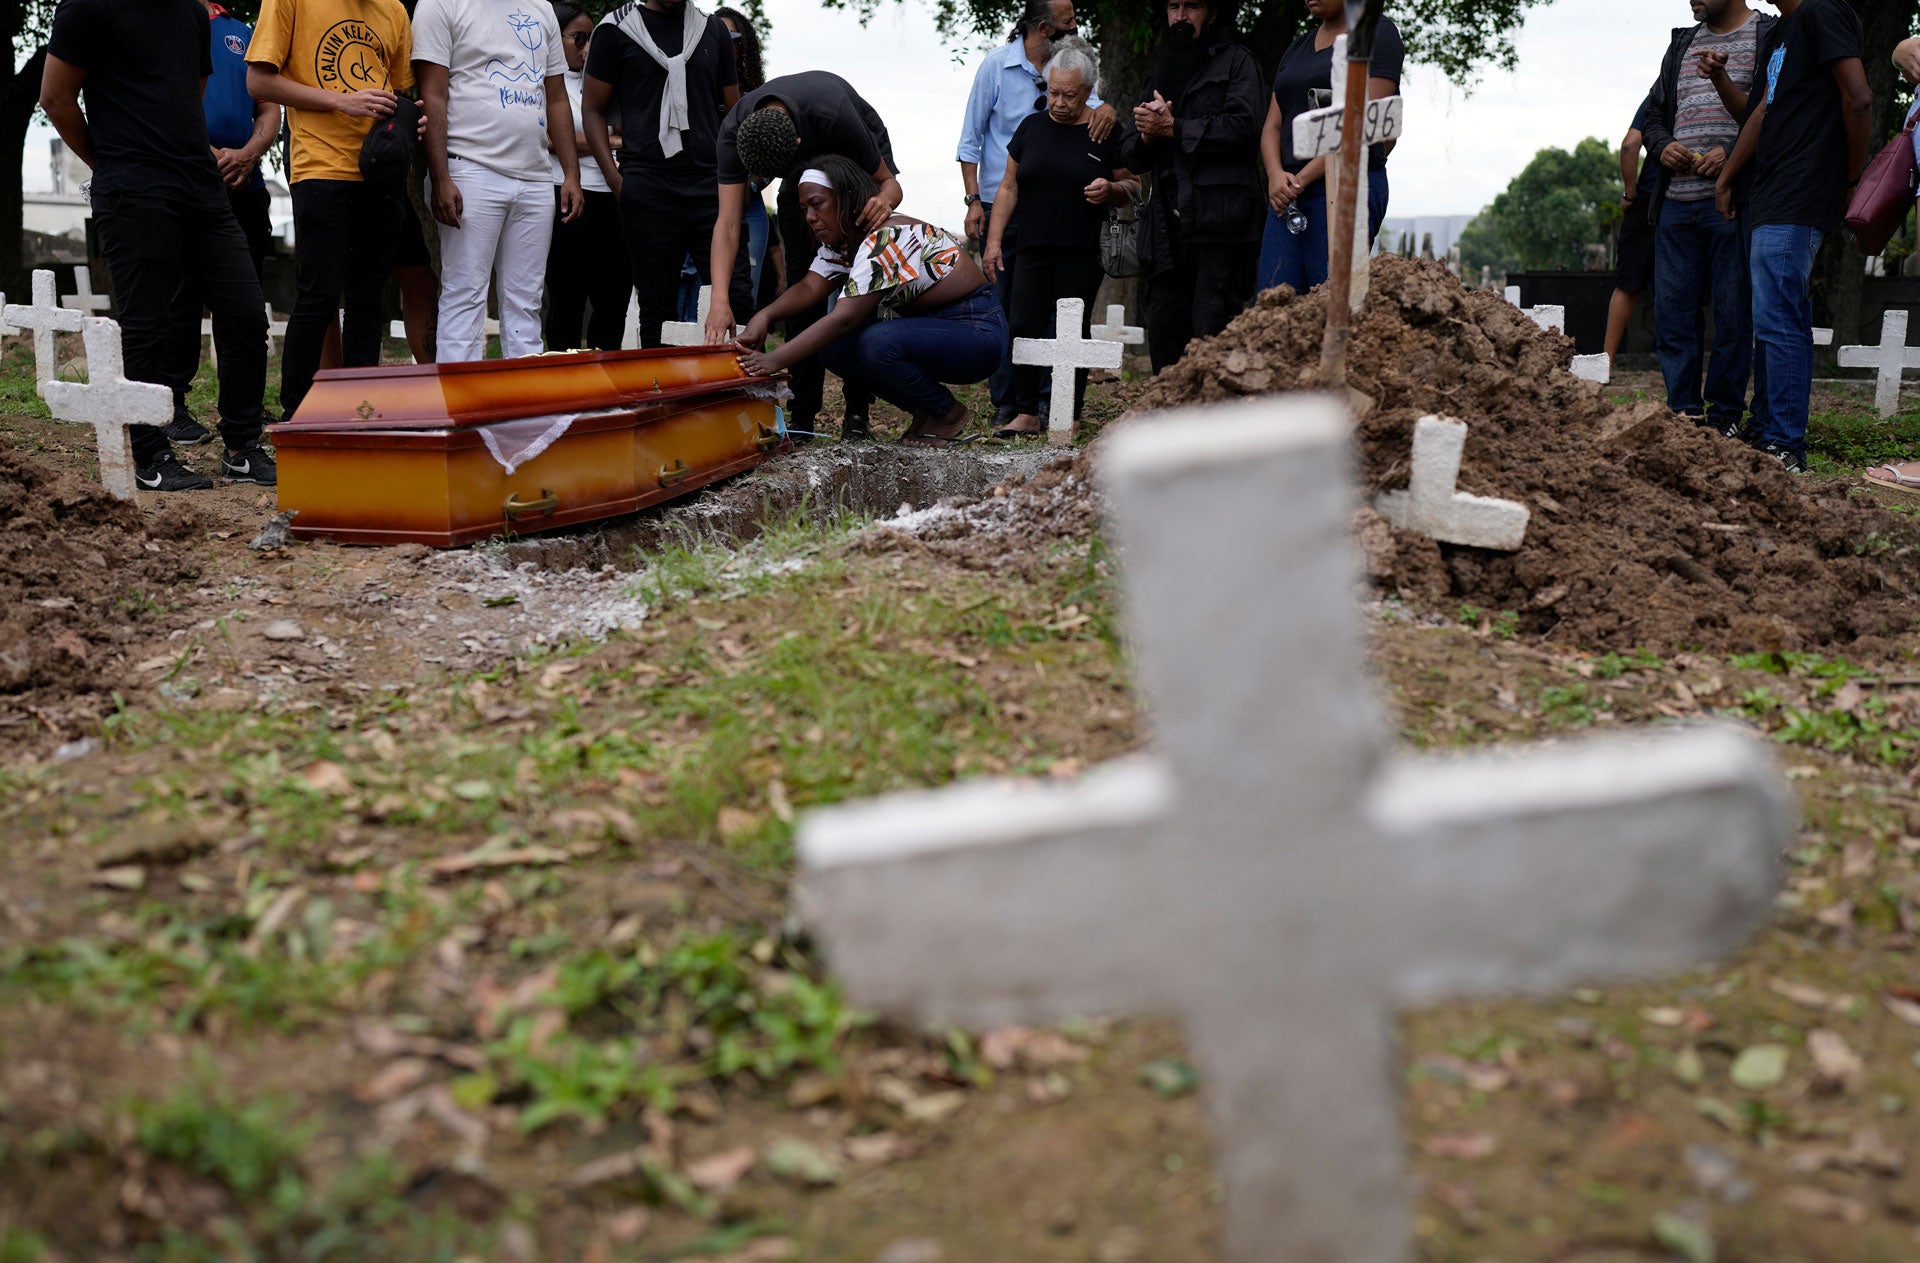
(1891, 477)
(1021, 432)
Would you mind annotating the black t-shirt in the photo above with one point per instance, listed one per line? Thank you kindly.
(1304, 69)
(1056, 163)
(829, 115)
(1800, 171)
(616, 58)
(146, 62)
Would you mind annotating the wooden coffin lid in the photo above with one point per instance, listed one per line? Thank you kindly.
(444, 396)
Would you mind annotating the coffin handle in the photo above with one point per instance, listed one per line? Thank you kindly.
(516, 508)
(676, 472)
(766, 438)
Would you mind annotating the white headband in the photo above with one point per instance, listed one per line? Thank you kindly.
(814, 175)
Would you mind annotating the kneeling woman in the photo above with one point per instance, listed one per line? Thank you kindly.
(914, 310)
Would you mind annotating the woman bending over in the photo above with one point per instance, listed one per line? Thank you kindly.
(913, 309)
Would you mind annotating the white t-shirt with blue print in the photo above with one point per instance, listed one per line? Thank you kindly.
(499, 55)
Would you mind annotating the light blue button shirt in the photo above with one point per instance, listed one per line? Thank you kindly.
(1004, 90)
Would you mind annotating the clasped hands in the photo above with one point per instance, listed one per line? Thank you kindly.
(1154, 119)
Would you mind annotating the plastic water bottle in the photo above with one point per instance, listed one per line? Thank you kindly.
(1296, 220)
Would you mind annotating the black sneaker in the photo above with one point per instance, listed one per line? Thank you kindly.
(168, 474)
(855, 428)
(183, 429)
(250, 464)
(1791, 461)
(1727, 428)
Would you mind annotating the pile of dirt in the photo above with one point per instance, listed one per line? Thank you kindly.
(81, 575)
(1648, 530)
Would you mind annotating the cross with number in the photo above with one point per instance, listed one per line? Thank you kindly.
(1272, 872)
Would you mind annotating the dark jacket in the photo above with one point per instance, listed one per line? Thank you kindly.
(1663, 101)
(1208, 185)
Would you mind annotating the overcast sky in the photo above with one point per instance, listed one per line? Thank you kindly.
(1584, 66)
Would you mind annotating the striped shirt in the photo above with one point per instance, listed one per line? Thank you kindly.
(1700, 121)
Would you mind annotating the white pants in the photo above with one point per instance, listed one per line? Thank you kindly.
(505, 227)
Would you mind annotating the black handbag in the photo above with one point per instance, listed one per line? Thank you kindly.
(1120, 240)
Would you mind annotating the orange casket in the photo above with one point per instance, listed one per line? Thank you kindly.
(446, 454)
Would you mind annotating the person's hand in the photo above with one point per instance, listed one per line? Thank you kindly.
(235, 166)
(993, 260)
(1723, 196)
(1711, 63)
(617, 183)
(1709, 164)
(1676, 157)
(1101, 124)
(1100, 192)
(367, 103)
(446, 202)
(1283, 190)
(719, 330)
(420, 130)
(754, 336)
(1626, 201)
(875, 213)
(572, 201)
(976, 225)
(758, 363)
(1154, 120)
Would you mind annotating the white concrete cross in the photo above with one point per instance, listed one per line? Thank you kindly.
(1117, 329)
(1430, 504)
(109, 403)
(1064, 352)
(630, 335)
(1271, 873)
(45, 318)
(1319, 132)
(275, 329)
(688, 332)
(1823, 337)
(83, 298)
(1889, 358)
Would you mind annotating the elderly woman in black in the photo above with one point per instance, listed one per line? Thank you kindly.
(1065, 180)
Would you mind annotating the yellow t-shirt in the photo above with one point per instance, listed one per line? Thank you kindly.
(339, 46)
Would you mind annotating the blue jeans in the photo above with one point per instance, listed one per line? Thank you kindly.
(1697, 253)
(905, 360)
(1781, 257)
(1000, 381)
(756, 237)
(1302, 261)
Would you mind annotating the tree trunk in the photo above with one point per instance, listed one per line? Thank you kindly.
(1840, 271)
(22, 96)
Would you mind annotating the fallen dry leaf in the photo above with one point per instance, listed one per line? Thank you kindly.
(878, 1147)
(514, 857)
(1812, 997)
(722, 1173)
(120, 877)
(1467, 1146)
(1817, 1201)
(934, 1108)
(1036, 1050)
(327, 777)
(1906, 1010)
(397, 1079)
(1836, 1067)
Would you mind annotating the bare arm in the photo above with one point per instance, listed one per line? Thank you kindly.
(60, 84)
(881, 208)
(1737, 161)
(811, 290)
(433, 98)
(993, 257)
(1629, 165)
(1856, 109)
(266, 83)
(970, 181)
(726, 248)
(1270, 147)
(595, 96)
(560, 127)
(236, 165)
(847, 315)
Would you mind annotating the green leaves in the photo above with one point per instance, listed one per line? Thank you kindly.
(1563, 201)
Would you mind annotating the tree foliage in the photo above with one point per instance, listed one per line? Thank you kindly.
(1550, 213)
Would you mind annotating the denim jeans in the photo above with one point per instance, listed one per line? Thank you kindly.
(756, 228)
(1698, 254)
(1781, 256)
(153, 246)
(905, 360)
(1000, 381)
(1302, 261)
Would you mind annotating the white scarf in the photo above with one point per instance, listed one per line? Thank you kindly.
(674, 116)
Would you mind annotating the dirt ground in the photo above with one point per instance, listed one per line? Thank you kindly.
(366, 904)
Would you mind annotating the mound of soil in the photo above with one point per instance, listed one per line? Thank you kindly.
(1029, 524)
(1647, 531)
(81, 574)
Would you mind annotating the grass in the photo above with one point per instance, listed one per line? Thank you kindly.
(1843, 440)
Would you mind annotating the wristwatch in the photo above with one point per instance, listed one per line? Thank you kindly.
(970, 199)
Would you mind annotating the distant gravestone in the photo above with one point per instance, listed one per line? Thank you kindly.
(1272, 873)
(1116, 329)
(1889, 360)
(1430, 504)
(1064, 352)
(109, 403)
(45, 318)
(83, 299)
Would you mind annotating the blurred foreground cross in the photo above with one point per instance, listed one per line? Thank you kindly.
(1271, 873)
